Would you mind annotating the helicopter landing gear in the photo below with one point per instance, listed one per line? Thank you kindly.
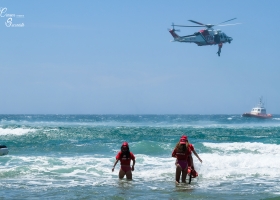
(220, 49)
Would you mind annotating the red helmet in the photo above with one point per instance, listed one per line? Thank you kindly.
(183, 140)
(125, 146)
(185, 137)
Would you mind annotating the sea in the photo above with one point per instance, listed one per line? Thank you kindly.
(71, 156)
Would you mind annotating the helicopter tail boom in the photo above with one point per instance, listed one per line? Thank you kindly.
(172, 32)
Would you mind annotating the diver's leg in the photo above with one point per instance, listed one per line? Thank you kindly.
(129, 175)
(184, 175)
(178, 173)
(121, 174)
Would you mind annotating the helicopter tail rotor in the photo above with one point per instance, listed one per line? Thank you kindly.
(178, 30)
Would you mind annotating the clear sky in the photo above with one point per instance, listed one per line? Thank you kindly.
(115, 57)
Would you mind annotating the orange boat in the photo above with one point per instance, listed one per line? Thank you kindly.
(258, 112)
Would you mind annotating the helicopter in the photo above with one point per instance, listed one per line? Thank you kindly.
(208, 36)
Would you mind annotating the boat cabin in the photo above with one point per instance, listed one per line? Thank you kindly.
(258, 110)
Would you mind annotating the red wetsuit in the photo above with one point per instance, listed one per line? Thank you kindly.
(182, 157)
(190, 148)
(125, 163)
(191, 170)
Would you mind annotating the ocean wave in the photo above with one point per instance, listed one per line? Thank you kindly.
(16, 131)
(153, 168)
(243, 147)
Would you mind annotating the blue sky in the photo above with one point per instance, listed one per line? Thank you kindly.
(115, 57)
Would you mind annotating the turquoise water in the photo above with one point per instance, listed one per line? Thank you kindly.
(71, 156)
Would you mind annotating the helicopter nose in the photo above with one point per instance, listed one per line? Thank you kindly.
(229, 39)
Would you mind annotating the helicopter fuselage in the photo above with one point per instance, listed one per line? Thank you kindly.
(208, 36)
(203, 37)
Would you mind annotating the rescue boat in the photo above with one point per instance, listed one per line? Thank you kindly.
(258, 112)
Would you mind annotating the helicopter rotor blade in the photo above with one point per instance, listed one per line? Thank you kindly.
(226, 21)
(197, 22)
(229, 24)
(187, 26)
(206, 25)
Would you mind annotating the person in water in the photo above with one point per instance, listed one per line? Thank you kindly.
(125, 157)
(182, 152)
(191, 148)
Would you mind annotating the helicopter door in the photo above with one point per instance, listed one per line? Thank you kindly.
(217, 38)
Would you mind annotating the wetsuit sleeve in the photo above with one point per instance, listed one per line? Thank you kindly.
(118, 156)
(191, 147)
(174, 153)
(132, 156)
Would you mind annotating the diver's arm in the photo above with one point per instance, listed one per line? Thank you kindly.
(132, 167)
(115, 165)
(194, 152)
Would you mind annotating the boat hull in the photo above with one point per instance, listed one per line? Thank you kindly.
(263, 116)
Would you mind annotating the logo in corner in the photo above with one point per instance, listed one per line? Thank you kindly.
(12, 19)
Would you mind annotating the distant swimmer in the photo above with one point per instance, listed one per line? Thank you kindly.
(125, 157)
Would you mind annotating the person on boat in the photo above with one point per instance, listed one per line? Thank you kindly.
(181, 153)
(125, 157)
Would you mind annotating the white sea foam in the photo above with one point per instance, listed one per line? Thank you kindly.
(225, 164)
(16, 131)
(235, 162)
(276, 118)
(254, 147)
